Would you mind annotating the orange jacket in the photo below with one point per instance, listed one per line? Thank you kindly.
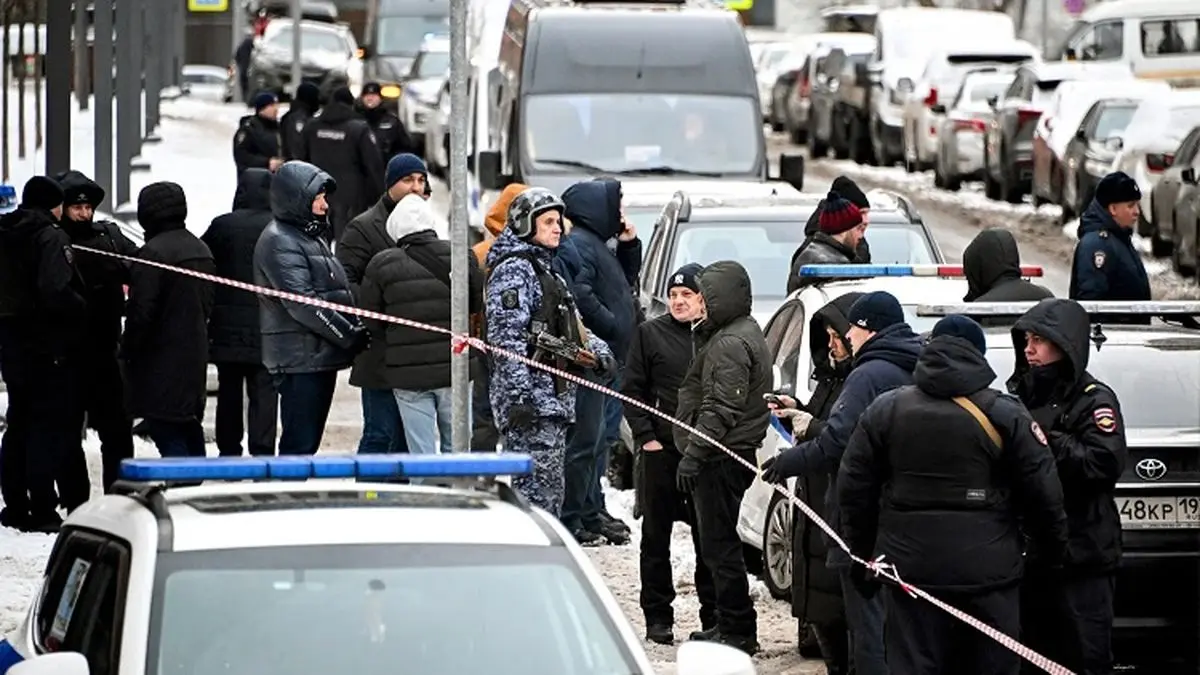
(497, 218)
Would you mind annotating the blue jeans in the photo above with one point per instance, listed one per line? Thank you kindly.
(304, 402)
(383, 431)
(582, 498)
(865, 619)
(426, 416)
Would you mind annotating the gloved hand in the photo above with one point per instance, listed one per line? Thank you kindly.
(520, 415)
(361, 339)
(864, 580)
(769, 473)
(606, 367)
(786, 464)
(687, 473)
(799, 419)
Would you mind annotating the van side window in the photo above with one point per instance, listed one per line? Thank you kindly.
(1171, 36)
(1105, 41)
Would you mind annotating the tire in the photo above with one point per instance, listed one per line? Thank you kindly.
(817, 149)
(777, 547)
(798, 134)
(1176, 263)
(1158, 247)
(938, 180)
(859, 147)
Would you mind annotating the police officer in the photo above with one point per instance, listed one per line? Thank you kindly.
(1067, 614)
(305, 104)
(938, 478)
(41, 321)
(257, 143)
(390, 134)
(103, 281)
(341, 143)
(1106, 265)
(533, 408)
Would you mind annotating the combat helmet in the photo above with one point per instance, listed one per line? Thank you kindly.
(527, 206)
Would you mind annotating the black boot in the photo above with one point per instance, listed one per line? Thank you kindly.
(746, 643)
(835, 647)
(809, 647)
(706, 635)
(660, 633)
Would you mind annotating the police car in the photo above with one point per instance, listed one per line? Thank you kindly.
(644, 199)
(765, 518)
(244, 566)
(1155, 372)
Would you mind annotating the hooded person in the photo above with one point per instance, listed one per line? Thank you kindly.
(497, 217)
(1068, 613)
(842, 228)
(104, 279)
(165, 348)
(533, 409)
(945, 479)
(304, 106)
(412, 280)
(992, 265)
(234, 330)
(1106, 266)
(304, 347)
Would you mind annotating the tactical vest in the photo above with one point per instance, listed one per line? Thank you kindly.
(556, 314)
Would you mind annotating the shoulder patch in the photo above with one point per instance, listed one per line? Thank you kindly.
(69, 255)
(1089, 387)
(371, 135)
(1106, 420)
(1103, 234)
(1098, 259)
(241, 136)
(1038, 433)
(510, 298)
(299, 126)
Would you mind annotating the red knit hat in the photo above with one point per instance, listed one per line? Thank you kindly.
(838, 215)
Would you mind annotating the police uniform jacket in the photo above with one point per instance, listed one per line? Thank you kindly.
(390, 134)
(1106, 265)
(257, 140)
(339, 142)
(39, 286)
(1083, 423)
(923, 483)
(291, 129)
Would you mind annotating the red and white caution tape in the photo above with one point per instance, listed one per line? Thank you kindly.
(460, 343)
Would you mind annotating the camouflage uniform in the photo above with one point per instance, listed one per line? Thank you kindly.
(532, 410)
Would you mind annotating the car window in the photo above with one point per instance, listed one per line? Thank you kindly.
(795, 339)
(403, 35)
(779, 324)
(432, 64)
(1104, 41)
(1171, 37)
(310, 40)
(1112, 121)
(1187, 149)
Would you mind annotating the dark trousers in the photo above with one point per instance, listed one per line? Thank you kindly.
(584, 465)
(865, 617)
(177, 438)
(304, 402)
(383, 430)
(717, 497)
(834, 640)
(925, 640)
(1069, 619)
(261, 411)
(104, 402)
(484, 434)
(662, 506)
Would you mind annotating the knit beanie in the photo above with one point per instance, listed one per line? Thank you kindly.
(850, 191)
(263, 99)
(160, 204)
(876, 311)
(1117, 188)
(838, 214)
(402, 165)
(959, 326)
(42, 192)
(343, 95)
(309, 94)
(686, 276)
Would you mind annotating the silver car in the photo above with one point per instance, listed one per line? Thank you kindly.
(420, 90)
(963, 128)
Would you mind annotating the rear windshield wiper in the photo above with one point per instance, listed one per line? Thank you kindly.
(668, 171)
(575, 164)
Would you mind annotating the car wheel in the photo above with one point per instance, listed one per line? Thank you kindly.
(798, 134)
(777, 547)
(939, 180)
(817, 149)
(1181, 268)
(1159, 247)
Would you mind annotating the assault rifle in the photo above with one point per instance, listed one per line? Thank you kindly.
(547, 345)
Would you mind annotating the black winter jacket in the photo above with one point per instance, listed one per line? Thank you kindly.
(340, 142)
(923, 483)
(39, 285)
(365, 237)
(722, 392)
(600, 281)
(390, 135)
(291, 256)
(1082, 418)
(291, 128)
(1106, 266)
(658, 359)
(397, 283)
(234, 332)
(819, 249)
(165, 348)
(992, 264)
(257, 140)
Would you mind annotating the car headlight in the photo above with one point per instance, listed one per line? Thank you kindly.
(389, 91)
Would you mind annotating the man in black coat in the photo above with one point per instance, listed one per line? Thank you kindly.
(1067, 614)
(849, 191)
(722, 397)
(258, 144)
(390, 134)
(305, 104)
(992, 265)
(940, 478)
(104, 279)
(1106, 266)
(165, 349)
(234, 332)
(340, 142)
(659, 357)
(42, 321)
(842, 229)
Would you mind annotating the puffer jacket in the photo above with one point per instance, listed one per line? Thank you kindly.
(722, 392)
(497, 219)
(291, 256)
(365, 237)
(992, 264)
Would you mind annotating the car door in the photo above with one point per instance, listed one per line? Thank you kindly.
(1166, 192)
(657, 258)
(1073, 158)
(1004, 121)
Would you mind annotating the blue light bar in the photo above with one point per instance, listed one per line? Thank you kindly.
(929, 270)
(454, 465)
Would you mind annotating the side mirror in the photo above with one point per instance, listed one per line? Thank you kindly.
(791, 170)
(992, 101)
(711, 658)
(60, 663)
(1188, 175)
(1081, 134)
(488, 166)
(937, 109)
(862, 78)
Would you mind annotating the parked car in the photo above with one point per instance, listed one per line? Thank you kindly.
(1169, 191)
(328, 58)
(1185, 256)
(766, 68)
(1091, 150)
(852, 109)
(213, 83)
(785, 75)
(430, 70)
(963, 127)
(799, 101)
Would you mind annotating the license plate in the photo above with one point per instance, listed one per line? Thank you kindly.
(1153, 513)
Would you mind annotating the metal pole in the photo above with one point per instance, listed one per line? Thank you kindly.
(238, 21)
(127, 94)
(296, 74)
(79, 47)
(6, 8)
(1045, 25)
(21, 85)
(38, 27)
(102, 62)
(58, 87)
(179, 20)
(137, 35)
(460, 377)
(155, 55)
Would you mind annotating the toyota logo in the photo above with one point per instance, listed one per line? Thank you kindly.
(1151, 469)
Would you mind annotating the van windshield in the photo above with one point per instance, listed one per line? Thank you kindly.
(403, 35)
(629, 132)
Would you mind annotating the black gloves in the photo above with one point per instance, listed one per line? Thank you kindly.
(687, 473)
(520, 415)
(360, 339)
(864, 581)
(606, 367)
(787, 464)
(770, 473)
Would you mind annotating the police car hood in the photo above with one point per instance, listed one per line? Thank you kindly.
(293, 190)
(1182, 437)
(1064, 323)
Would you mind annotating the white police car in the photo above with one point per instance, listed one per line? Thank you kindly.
(765, 518)
(262, 570)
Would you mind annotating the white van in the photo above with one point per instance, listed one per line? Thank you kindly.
(905, 39)
(1159, 39)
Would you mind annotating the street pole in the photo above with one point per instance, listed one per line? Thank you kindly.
(460, 377)
(102, 63)
(58, 86)
(79, 48)
(239, 33)
(296, 74)
(1045, 25)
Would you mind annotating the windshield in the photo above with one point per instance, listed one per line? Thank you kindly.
(428, 609)
(310, 41)
(433, 64)
(765, 248)
(980, 92)
(628, 132)
(1156, 386)
(1113, 121)
(403, 35)
(850, 23)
